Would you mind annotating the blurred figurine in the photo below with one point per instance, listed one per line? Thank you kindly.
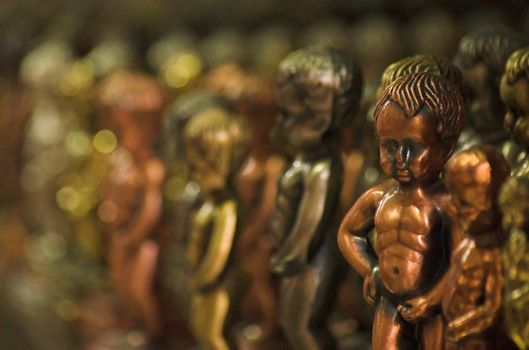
(216, 145)
(481, 57)
(514, 199)
(256, 183)
(132, 198)
(318, 89)
(417, 120)
(474, 286)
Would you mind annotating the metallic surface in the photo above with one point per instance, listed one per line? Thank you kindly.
(513, 200)
(317, 90)
(481, 57)
(474, 286)
(131, 197)
(216, 145)
(417, 120)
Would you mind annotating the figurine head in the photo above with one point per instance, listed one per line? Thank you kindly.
(216, 144)
(481, 57)
(421, 64)
(318, 90)
(514, 91)
(185, 107)
(473, 177)
(134, 103)
(418, 120)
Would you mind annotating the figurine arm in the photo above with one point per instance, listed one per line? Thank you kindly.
(358, 222)
(259, 218)
(482, 317)
(151, 205)
(293, 252)
(219, 247)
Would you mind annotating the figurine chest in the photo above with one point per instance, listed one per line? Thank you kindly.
(394, 214)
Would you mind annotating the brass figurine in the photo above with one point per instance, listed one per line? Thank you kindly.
(514, 196)
(418, 120)
(254, 97)
(481, 57)
(473, 291)
(216, 145)
(131, 197)
(318, 89)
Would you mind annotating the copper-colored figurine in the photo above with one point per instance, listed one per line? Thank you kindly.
(131, 203)
(256, 183)
(216, 145)
(514, 200)
(317, 90)
(473, 291)
(418, 120)
(481, 57)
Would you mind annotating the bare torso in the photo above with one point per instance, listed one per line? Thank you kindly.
(468, 273)
(411, 248)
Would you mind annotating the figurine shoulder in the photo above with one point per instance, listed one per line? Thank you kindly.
(377, 192)
(320, 171)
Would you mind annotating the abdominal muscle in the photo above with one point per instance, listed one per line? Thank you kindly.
(399, 275)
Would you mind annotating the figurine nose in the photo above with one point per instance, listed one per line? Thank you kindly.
(403, 155)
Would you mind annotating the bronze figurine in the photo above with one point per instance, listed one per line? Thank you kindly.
(418, 120)
(513, 199)
(131, 197)
(473, 291)
(481, 57)
(256, 184)
(318, 89)
(216, 144)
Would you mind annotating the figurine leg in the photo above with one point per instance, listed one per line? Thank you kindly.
(142, 282)
(208, 316)
(433, 333)
(305, 301)
(390, 330)
(264, 293)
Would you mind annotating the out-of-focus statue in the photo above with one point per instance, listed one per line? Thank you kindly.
(318, 89)
(474, 286)
(131, 195)
(513, 199)
(216, 145)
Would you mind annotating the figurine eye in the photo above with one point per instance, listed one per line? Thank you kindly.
(391, 146)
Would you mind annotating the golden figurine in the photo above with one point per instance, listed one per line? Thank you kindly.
(514, 196)
(256, 184)
(481, 57)
(418, 120)
(131, 196)
(473, 291)
(216, 144)
(318, 89)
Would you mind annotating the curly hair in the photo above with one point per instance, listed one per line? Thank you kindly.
(310, 67)
(517, 65)
(441, 98)
(422, 64)
(491, 46)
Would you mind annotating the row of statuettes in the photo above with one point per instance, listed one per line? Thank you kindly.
(443, 258)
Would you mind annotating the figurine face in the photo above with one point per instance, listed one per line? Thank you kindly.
(136, 132)
(209, 179)
(410, 148)
(305, 114)
(471, 194)
(516, 99)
